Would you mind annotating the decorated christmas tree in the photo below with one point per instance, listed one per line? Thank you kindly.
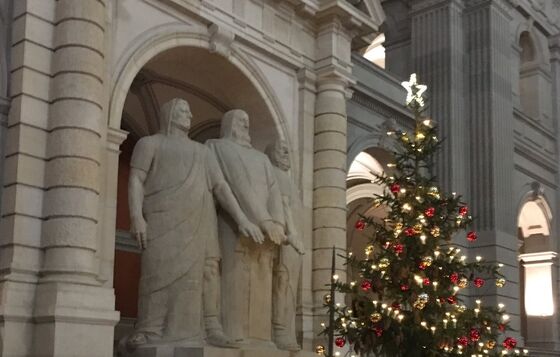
(410, 294)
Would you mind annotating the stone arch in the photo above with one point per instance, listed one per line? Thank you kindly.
(373, 143)
(165, 37)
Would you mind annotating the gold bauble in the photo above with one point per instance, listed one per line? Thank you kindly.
(417, 228)
(375, 317)
(369, 249)
(490, 344)
(383, 263)
(419, 305)
(427, 261)
(500, 282)
(463, 282)
(320, 349)
(398, 226)
(435, 232)
(327, 299)
(461, 308)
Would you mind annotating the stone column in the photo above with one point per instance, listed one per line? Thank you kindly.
(75, 315)
(329, 185)
(491, 149)
(554, 46)
(438, 58)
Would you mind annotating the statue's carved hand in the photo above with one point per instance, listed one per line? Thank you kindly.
(296, 243)
(274, 231)
(250, 230)
(138, 230)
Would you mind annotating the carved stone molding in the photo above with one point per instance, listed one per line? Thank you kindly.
(221, 40)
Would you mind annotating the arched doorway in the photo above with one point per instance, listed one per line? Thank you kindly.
(361, 190)
(212, 84)
(537, 301)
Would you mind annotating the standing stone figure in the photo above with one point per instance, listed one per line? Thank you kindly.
(172, 184)
(287, 268)
(247, 266)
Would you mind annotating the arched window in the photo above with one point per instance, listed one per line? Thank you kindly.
(534, 79)
(535, 266)
(361, 191)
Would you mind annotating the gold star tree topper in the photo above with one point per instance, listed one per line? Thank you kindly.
(414, 91)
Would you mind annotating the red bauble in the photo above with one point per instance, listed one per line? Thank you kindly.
(366, 285)
(426, 281)
(378, 331)
(452, 300)
(409, 232)
(429, 212)
(501, 327)
(395, 188)
(404, 287)
(509, 343)
(396, 306)
(422, 266)
(398, 248)
(463, 341)
(474, 334)
(340, 342)
(454, 278)
(463, 210)
(360, 224)
(472, 236)
(478, 282)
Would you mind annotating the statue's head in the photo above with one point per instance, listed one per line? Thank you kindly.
(175, 113)
(279, 154)
(235, 127)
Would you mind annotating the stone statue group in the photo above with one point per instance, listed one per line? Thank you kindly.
(223, 274)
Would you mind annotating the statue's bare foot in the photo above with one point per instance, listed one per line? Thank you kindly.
(216, 337)
(135, 340)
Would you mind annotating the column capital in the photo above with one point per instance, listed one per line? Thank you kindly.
(336, 79)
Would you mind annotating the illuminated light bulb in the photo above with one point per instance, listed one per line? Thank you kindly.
(444, 323)
(337, 304)
(335, 277)
(352, 283)
(478, 302)
(433, 328)
(374, 302)
(463, 258)
(427, 122)
(406, 207)
(418, 198)
(423, 324)
(391, 165)
(337, 353)
(436, 253)
(423, 238)
(454, 323)
(418, 279)
(350, 254)
(504, 352)
(384, 306)
(389, 133)
(501, 306)
(481, 344)
(420, 136)
(455, 288)
(400, 317)
(322, 324)
(403, 190)
(476, 311)
(516, 352)
(478, 258)
(526, 351)
(435, 284)
(505, 317)
(500, 265)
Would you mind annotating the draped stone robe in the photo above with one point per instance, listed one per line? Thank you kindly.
(181, 230)
(247, 266)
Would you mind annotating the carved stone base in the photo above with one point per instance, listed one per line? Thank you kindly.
(171, 351)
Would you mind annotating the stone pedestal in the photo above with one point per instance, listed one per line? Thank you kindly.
(173, 351)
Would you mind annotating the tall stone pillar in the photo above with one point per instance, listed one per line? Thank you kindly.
(74, 315)
(438, 58)
(329, 183)
(490, 116)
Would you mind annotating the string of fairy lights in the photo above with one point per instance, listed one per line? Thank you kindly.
(412, 276)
